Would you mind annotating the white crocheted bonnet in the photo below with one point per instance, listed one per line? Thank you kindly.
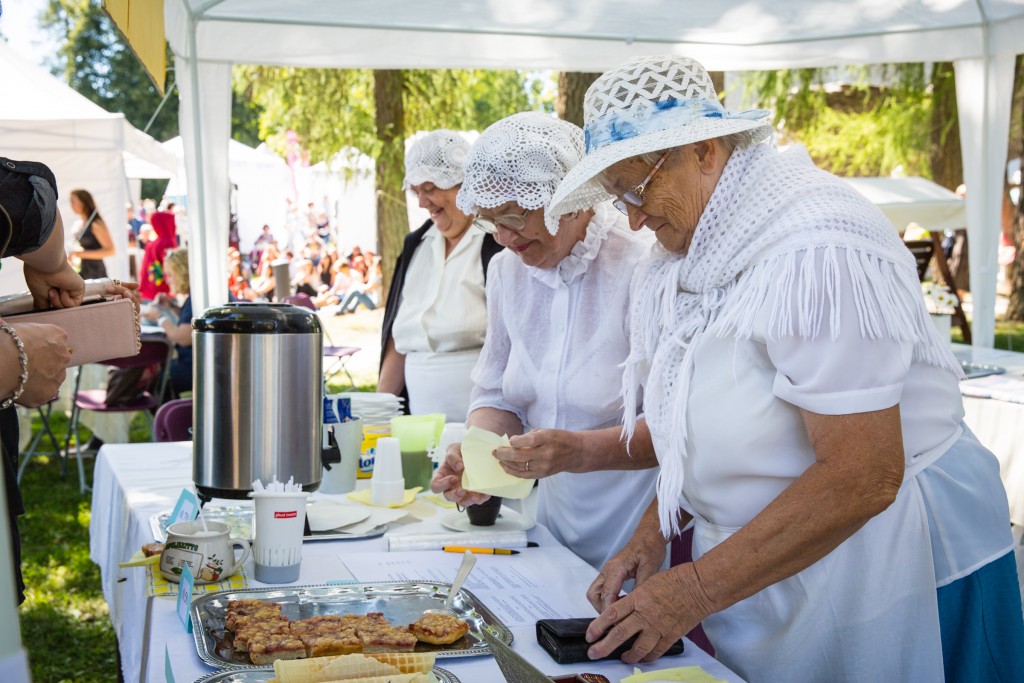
(649, 104)
(435, 157)
(522, 158)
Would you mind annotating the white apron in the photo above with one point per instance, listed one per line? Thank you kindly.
(440, 382)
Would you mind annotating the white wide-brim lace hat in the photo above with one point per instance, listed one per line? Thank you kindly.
(522, 158)
(436, 157)
(650, 104)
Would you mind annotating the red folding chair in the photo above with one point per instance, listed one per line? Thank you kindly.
(339, 355)
(155, 350)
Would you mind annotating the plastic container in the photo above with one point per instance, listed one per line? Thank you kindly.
(418, 435)
(369, 448)
(387, 487)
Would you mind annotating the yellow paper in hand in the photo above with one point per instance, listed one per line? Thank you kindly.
(683, 674)
(483, 472)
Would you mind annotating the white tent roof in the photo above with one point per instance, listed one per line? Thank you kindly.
(42, 119)
(981, 37)
(913, 200)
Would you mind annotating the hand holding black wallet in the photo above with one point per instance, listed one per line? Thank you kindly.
(566, 641)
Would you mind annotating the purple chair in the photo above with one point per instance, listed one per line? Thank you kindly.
(156, 350)
(681, 552)
(339, 355)
(173, 421)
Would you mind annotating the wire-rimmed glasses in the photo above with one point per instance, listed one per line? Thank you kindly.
(635, 197)
(513, 221)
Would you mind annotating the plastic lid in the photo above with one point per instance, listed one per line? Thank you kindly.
(258, 318)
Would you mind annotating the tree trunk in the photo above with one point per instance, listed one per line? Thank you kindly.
(392, 215)
(1015, 308)
(718, 80)
(572, 86)
(946, 161)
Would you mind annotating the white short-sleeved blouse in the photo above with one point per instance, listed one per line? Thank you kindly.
(443, 305)
(556, 339)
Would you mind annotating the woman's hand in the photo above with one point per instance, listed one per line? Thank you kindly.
(541, 453)
(448, 480)
(640, 559)
(63, 288)
(661, 611)
(48, 356)
(126, 290)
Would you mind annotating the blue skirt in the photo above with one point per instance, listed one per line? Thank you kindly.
(982, 625)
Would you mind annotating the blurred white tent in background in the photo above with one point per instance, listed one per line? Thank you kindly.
(42, 119)
(917, 200)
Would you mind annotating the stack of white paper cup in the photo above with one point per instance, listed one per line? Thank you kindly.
(280, 519)
(387, 487)
(341, 478)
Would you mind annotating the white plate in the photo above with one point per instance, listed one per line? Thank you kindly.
(324, 516)
(508, 520)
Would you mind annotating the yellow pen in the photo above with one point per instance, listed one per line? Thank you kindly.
(479, 551)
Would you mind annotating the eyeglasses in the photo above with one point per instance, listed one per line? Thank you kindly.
(514, 222)
(635, 197)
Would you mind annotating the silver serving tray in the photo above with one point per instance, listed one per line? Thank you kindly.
(239, 520)
(266, 674)
(401, 603)
(974, 370)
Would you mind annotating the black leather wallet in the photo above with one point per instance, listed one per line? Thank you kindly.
(565, 640)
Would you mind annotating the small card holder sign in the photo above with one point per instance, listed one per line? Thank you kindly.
(185, 586)
(186, 509)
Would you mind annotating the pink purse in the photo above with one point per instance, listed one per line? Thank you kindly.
(97, 330)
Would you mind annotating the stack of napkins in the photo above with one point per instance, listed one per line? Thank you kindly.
(373, 408)
(484, 473)
(683, 674)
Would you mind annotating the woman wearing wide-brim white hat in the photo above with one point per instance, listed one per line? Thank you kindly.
(551, 368)
(804, 410)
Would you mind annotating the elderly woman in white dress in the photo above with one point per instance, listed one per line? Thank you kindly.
(436, 314)
(557, 299)
(805, 412)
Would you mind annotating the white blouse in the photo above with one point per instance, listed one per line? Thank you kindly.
(555, 342)
(442, 306)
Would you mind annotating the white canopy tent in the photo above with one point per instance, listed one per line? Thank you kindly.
(981, 37)
(42, 119)
(917, 200)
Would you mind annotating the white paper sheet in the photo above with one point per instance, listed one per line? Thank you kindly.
(517, 588)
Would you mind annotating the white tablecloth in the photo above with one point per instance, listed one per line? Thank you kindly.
(134, 481)
(999, 425)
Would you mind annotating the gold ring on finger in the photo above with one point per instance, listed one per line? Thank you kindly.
(117, 283)
(71, 351)
(527, 465)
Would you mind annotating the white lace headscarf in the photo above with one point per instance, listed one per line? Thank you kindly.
(766, 248)
(436, 157)
(523, 158)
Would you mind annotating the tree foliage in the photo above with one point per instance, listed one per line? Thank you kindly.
(864, 129)
(373, 112)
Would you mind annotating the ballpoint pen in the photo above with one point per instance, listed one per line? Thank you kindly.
(479, 551)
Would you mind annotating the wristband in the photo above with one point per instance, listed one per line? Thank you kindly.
(22, 360)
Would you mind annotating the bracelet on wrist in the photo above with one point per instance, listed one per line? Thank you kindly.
(22, 361)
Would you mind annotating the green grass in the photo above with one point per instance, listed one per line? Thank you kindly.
(1009, 335)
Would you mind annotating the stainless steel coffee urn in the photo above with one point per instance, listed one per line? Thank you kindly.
(258, 397)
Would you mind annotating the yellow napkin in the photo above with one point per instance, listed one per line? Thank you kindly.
(363, 496)
(483, 472)
(440, 501)
(157, 585)
(683, 674)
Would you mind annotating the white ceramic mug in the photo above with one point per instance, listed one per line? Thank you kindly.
(208, 550)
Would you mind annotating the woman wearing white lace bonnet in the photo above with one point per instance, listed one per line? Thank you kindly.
(436, 317)
(557, 299)
(804, 410)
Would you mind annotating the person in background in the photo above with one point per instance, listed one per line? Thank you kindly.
(179, 329)
(365, 293)
(436, 314)
(152, 280)
(92, 235)
(306, 278)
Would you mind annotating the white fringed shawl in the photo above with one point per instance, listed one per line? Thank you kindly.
(753, 254)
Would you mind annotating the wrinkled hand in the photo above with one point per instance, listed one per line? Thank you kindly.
(448, 479)
(161, 299)
(640, 559)
(663, 610)
(541, 453)
(47, 349)
(150, 313)
(126, 290)
(61, 289)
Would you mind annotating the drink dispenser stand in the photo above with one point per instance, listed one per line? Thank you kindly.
(258, 398)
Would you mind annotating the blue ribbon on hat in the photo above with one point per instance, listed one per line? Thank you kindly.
(663, 115)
